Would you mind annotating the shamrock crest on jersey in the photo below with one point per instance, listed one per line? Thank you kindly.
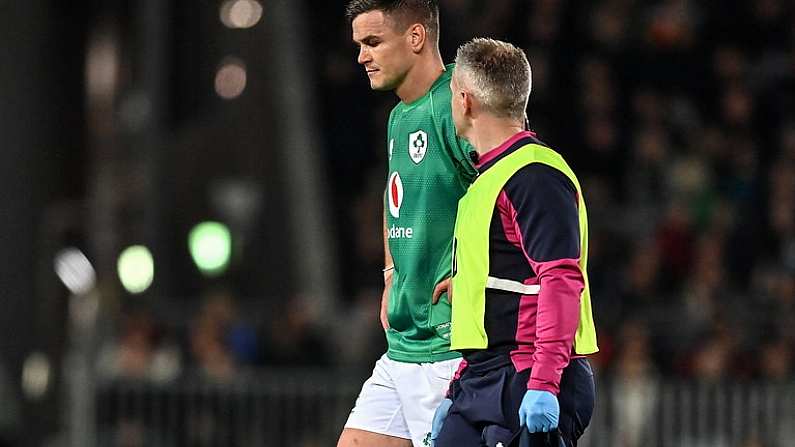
(418, 146)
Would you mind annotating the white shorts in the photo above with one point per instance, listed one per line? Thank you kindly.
(400, 398)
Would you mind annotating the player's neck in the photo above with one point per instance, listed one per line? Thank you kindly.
(490, 132)
(420, 78)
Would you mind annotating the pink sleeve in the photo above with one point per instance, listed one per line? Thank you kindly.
(542, 204)
(557, 319)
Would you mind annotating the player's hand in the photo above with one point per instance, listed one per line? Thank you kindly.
(539, 411)
(442, 287)
(385, 300)
(438, 419)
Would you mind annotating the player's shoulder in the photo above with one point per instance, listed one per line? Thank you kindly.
(398, 105)
(440, 97)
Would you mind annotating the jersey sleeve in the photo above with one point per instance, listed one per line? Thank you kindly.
(458, 148)
(547, 221)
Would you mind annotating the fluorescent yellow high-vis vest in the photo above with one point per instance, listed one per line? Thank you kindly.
(471, 250)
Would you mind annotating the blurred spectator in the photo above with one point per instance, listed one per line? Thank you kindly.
(139, 352)
(294, 337)
(221, 342)
(364, 336)
(713, 359)
(635, 384)
(672, 24)
(776, 361)
(610, 24)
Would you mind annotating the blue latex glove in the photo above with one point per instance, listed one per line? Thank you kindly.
(539, 411)
(438, 419)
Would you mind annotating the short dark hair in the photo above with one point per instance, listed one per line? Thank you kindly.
(405, 12)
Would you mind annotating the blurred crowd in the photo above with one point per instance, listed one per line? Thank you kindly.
(679, 118)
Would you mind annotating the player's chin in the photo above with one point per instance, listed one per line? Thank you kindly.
(380, 85)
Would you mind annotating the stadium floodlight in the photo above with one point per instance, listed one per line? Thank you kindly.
(75, 270)
(231, 78)
(36, 375)
(240, 14)
(210, 245)
(136, 269)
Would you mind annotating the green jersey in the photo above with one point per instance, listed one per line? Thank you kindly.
(429, 171)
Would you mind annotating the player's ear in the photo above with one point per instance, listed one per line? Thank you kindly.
(417, 36)
(466, 103)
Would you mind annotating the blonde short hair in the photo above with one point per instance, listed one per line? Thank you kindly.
(498, 75)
